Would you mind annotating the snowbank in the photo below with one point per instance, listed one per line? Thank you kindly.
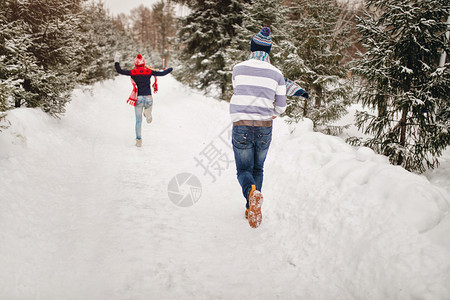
(365, 175)
(349, 204)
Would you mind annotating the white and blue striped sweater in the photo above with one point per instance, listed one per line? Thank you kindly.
(259, 89)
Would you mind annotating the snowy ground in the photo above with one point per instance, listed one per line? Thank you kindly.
(84, 214)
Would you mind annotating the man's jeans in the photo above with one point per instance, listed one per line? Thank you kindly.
(142, 102)
(250, 146)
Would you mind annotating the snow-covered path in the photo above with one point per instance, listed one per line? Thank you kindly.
(84, 214)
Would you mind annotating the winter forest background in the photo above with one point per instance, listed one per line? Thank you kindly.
(390, 56)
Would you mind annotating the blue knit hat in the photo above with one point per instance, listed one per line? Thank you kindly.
(261, 41)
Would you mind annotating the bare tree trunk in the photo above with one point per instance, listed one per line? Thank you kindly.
(318, 98)
(402, 132)
(305, 108)
(444, 54)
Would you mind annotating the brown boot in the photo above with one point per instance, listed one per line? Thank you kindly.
(255, 199)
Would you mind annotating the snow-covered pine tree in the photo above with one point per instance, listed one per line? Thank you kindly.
(13, 56)
(256, 15)
(405, 85)
(319, 39)
(205, 35)
(96, 41)
(47, 47)
(40, 51)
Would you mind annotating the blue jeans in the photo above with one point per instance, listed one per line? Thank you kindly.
(142, 102)
(250, 146)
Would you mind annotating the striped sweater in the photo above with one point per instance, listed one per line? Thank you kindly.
(259, 89)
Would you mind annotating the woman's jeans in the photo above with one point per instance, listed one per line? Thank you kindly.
(250, 146)
(143, 102)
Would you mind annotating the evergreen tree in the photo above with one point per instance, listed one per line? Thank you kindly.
(319, 39)
(205, 34)
(257, 14)
(13, 56)
(39, 51)
(97, 39)
(405, 85)
(48, 47)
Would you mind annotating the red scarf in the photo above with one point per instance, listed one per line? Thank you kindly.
(140, 71)
(133, 97)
